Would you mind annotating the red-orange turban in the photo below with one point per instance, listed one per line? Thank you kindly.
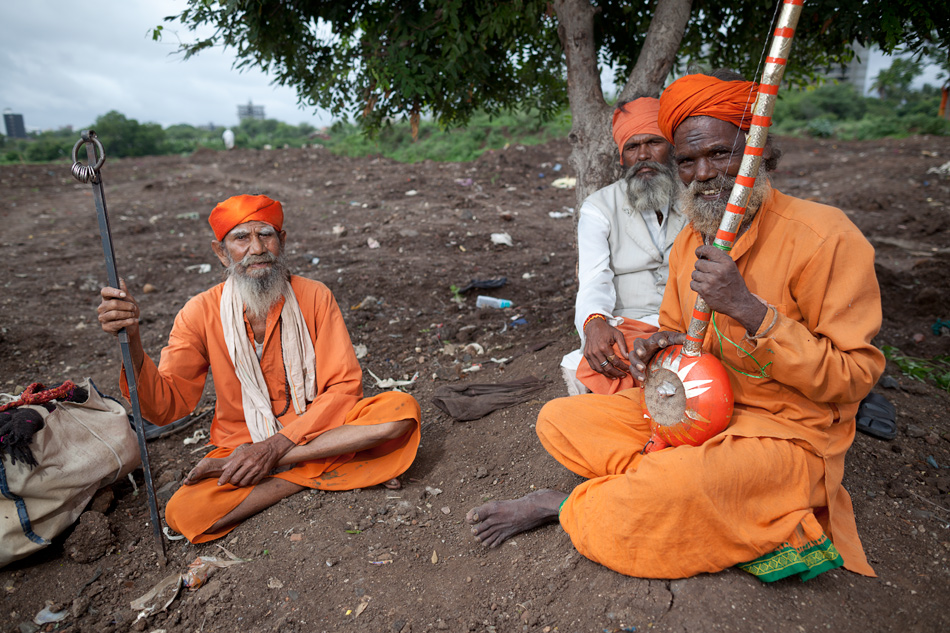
(240, 209)
(702, 95)
(636, 117)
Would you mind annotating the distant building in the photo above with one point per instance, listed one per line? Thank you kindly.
(250, 111)
(14, 124)
(855, 72)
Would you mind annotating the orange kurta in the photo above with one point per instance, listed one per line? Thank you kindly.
(196, 346)
(776, 472)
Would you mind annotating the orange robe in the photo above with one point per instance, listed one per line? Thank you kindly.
(599, 383)
(196, 346)
(771, 482)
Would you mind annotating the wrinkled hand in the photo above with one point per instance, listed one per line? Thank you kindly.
(599, 339)
(644, 349)
(248, 466)
(717, 280)
(117, 310)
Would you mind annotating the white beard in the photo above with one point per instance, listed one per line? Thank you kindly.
(259, 293)
(650, 194)
(706, 216)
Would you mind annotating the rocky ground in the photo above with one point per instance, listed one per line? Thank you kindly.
(391, 240)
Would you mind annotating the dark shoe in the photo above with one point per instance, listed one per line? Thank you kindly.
(877, 417)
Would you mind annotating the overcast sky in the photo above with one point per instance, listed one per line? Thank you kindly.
(64, 62)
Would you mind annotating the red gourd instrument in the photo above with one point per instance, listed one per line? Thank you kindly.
(687, 395)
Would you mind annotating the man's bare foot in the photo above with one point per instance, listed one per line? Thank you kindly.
(497, 521)
(207, 467)
(393, 484)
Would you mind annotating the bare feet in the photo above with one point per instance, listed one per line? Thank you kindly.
(497, 521)
(393, 484)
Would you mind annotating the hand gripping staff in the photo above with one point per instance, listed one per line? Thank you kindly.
(90, 173)
(687, 396)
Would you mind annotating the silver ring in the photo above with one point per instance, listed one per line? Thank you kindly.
(605, 363)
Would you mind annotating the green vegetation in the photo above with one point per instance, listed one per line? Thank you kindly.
(936, 369)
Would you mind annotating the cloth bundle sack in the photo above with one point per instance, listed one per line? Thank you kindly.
(81, 448)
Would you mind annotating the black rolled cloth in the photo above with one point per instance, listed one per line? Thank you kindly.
(470, 402)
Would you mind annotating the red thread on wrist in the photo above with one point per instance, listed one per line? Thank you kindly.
(596, 315)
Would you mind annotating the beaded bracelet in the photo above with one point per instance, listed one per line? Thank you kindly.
(596, 315)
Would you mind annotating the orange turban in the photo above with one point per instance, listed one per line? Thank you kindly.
(636, 117)
(702, 95)
(240, 209)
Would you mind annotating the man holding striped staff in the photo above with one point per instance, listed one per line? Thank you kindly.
(796, 306)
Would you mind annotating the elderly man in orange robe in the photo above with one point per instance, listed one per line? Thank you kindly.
(797, 304)
(290, 412)
(625, 232)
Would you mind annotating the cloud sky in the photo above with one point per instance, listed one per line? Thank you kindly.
(65, 63)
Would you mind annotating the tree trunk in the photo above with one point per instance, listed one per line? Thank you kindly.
(594, 155)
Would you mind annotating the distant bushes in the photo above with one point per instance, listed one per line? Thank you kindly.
(837, 110)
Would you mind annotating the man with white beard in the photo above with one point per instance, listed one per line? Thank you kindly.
(290, 412)
(624, 235)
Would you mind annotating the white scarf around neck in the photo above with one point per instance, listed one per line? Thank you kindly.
(296, 348)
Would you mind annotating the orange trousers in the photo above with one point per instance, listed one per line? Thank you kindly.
(192, 510)
(680, 511)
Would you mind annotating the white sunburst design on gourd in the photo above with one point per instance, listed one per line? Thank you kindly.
(692, 388)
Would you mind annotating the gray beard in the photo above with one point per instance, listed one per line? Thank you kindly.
(649, 194)
(260, 292)
(706, 216)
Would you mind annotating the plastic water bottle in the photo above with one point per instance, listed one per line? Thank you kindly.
(491, 302)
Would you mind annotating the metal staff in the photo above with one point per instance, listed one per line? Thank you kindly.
(677, 414)
(90, 173)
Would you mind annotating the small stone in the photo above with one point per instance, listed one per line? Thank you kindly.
(919, 338)
(149, 289)
(102, 500)
(435, 557)
(913, 430)
(274, 583)
(889, 382)
(296, 537)
(481, 472)
(446, 510)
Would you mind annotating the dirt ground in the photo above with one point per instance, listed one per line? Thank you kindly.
(378, 560)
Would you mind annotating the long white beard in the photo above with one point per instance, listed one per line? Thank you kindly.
(260, 293)
(649, 194)
(706, 216)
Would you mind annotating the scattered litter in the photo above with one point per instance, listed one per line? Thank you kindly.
(465, 182)
(190, 215)
(354, 203)
(518, 322)
(943, 170)
(380, 562)
(558, 215)
(528, 276)
(566, 182)
(932, 462)
(274, 583)
(412, 192)
(361, 608)
(389, 383)
(164, 593)
(492, 302)
(501, 239)
(47, 615)
(940, 327)
(435, 492)
(474, 348)
(500, 361)
(372, 243)
(199, 268)
(475, 367)
(197, 436)
(339, 230)
(557, 167)
(314, 261)
(361, 350)
(496, 282)
(171, 537)
(367, 302)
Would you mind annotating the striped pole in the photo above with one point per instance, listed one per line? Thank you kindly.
(751, 159)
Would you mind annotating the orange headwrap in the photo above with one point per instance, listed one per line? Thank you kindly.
(636, 117)
(240, 209)
(702, 95)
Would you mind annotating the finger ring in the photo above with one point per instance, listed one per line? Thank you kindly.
(605, 363)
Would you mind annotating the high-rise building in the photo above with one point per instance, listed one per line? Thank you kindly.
(250, 111)
(14, 124)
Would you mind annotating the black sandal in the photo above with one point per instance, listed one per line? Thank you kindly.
(877, 417)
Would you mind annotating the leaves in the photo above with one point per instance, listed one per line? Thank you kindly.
(936, 369)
